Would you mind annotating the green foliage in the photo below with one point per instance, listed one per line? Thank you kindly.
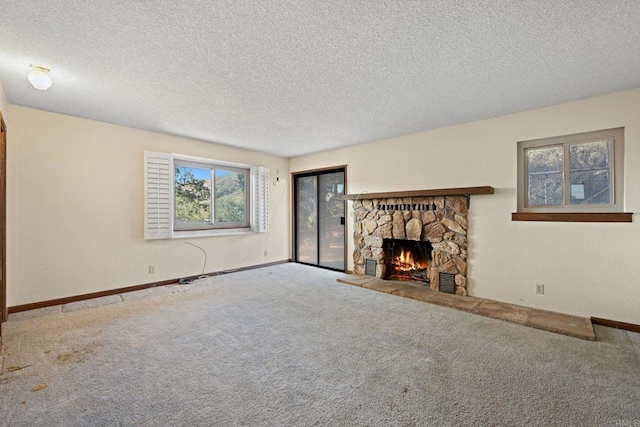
(230, 198)
(230, 208)
(231, 183)
(193, 198)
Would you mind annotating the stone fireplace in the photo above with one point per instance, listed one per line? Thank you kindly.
(381, 224)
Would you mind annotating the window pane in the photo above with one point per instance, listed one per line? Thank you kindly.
(331, 220)
(231, 196)
(193, 196)
(307, 219)
(589, 173)
(544, 176)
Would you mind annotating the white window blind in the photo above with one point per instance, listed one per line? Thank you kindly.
(261, 199)
(158, 186)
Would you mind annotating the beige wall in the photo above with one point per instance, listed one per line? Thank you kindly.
(75, 220)
(587, 269)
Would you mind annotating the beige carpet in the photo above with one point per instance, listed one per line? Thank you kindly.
(289, 346)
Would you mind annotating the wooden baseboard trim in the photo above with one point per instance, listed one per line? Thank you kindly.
(615, 324)
(67, 300)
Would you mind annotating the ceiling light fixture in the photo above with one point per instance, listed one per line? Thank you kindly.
(39, 77)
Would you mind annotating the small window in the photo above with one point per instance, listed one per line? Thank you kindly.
(572, 173)
(210, 196)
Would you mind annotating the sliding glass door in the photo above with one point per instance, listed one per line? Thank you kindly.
(320, 218)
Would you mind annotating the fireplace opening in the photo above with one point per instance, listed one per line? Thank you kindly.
(407, 259)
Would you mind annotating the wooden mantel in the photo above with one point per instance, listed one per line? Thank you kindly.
(463, 191)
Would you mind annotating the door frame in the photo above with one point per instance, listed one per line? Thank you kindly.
(3, 222)
(294, 218)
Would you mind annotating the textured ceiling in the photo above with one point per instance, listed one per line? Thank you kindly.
(293, 77)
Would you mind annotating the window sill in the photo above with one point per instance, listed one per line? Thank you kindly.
(573, 217)
(210, 233)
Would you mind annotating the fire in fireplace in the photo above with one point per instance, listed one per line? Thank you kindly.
(407, 259)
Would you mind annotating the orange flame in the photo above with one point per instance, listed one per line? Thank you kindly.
(405, 262)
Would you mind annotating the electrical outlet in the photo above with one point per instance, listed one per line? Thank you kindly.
(539, 289)
(152, 269)
(265, 253)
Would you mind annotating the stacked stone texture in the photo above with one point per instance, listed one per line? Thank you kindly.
(445, 227)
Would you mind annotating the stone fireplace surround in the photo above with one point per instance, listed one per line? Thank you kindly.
(438, 215)
(441, 220)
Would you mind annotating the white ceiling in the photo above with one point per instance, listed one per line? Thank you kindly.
(294, 77)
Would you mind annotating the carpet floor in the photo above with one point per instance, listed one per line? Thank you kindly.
(289, 346)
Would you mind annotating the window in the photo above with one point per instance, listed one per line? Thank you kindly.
(189, 197)
(572, 174)
(208, 196)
